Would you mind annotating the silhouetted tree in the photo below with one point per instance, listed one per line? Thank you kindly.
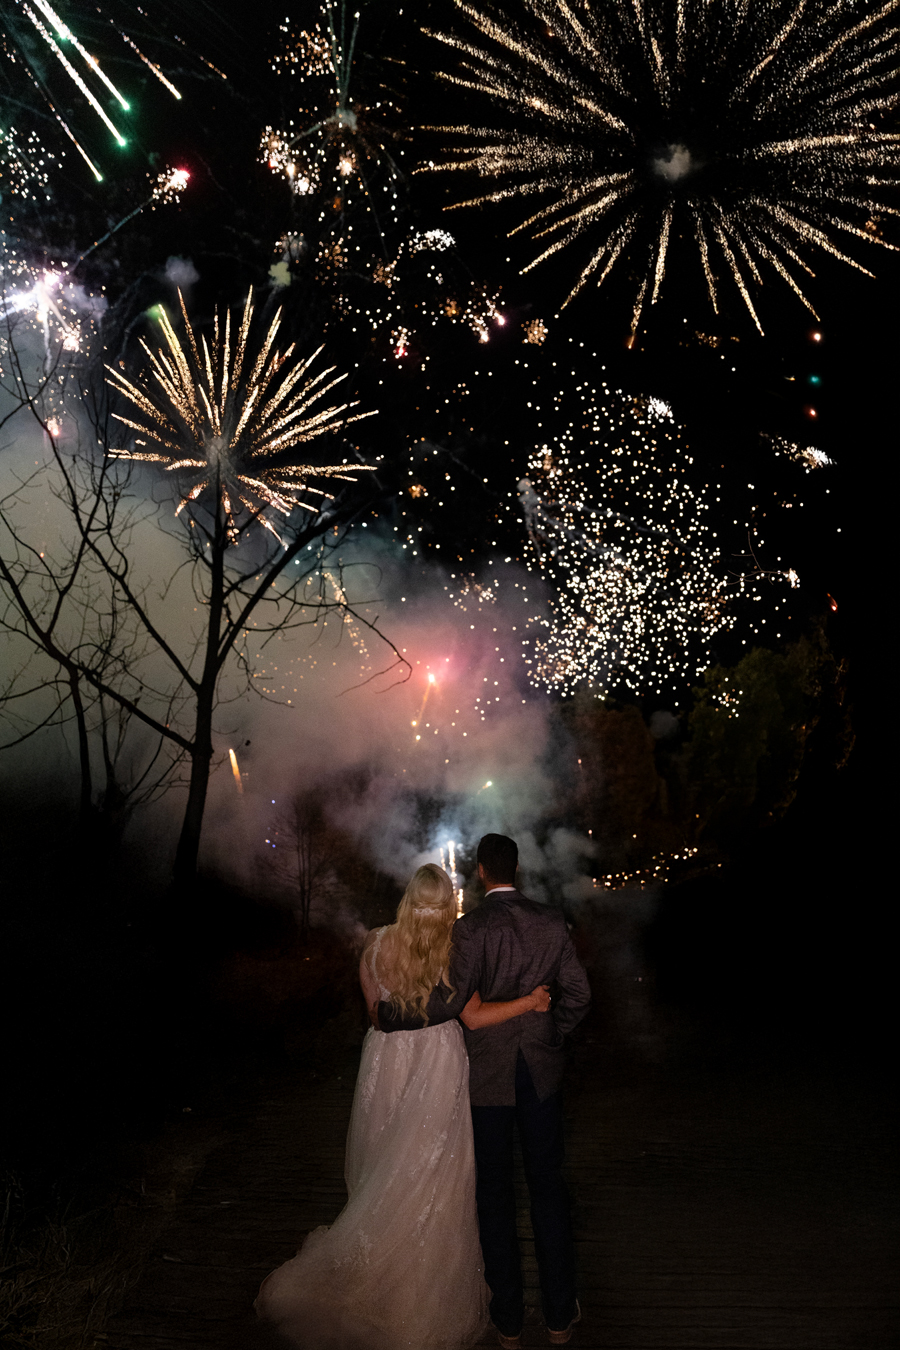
(303, 850)
(127, 649)
(750, 728)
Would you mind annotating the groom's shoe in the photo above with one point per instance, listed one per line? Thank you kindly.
(510, 1342)
(563, 1337)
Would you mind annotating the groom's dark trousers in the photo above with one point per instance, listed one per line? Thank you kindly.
(504, 949)
(541, 1136)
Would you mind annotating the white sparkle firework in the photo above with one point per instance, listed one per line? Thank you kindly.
(751, 132)
(26, 164)
(169, 186)
(226, 420)
(60, 309)
(810, 456)
(622, 532)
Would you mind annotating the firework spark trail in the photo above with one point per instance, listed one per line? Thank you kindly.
(64, 126)
(228, 425)
(60, 37)
(807, 455)
(73, 73)
(66, 33)
(39, 298)
(417, 720)
(341, 154)
(448, 862)
(147, 62)
(46, 288)
(49, 295)
(167, 188)
(751, 126)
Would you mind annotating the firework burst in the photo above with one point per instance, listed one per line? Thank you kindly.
(623, 533)
(46, 69)
(225, 419)
(753, 132)
(336, 142)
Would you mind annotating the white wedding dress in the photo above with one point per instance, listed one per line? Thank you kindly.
(400, 1268)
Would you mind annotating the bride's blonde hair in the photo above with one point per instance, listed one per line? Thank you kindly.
(420, 940)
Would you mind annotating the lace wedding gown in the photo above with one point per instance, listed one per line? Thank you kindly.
(400, 1268)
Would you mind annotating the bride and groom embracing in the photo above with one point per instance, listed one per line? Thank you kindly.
(425, 1251)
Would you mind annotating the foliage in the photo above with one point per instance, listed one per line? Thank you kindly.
(732, 765)
(302, 853)
(61, 1279)
(750, 728)
(618, 794)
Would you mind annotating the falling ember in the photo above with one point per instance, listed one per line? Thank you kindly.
(432, 680)
(236, 771)
(147, 62)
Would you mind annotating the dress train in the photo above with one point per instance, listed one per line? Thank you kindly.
(400, 1268)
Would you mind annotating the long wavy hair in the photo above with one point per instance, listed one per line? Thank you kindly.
(420, 940)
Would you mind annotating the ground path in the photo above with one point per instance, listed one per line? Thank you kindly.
(717, 1207)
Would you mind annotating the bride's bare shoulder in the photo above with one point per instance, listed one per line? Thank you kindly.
(373, 935)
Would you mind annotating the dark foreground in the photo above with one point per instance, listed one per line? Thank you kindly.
(730, 1194)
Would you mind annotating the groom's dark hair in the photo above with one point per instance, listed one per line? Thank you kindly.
(499, 857)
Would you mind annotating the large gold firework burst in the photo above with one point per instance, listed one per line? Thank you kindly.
(754, 130)
(226, 419)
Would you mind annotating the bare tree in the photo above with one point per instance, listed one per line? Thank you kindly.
(230, 430)
(67, 636)
(302, 853)
(58, 616)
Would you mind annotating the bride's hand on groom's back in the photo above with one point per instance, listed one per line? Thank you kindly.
(541, 998)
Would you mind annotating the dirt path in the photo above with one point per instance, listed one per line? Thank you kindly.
(737, 1209)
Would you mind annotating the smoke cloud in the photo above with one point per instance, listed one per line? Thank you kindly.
(462, 747)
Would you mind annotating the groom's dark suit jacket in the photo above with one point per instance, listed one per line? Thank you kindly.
(504, 949)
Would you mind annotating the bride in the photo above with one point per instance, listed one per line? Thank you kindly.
(401, 1266)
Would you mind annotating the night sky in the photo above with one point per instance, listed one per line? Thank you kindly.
(405, 726)
(454, 411)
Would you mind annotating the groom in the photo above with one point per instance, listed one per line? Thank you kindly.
(503, 950)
